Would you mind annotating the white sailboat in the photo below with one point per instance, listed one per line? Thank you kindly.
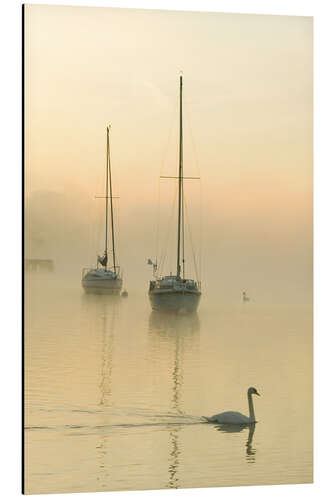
(102, 279)
(176, 292)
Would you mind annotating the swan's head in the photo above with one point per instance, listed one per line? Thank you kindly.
(253, 390)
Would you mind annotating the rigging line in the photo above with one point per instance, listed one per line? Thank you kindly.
(106, 195)
(197, 164)
(200, 231)
(189, 128)
(90, 230)
(97, 231)
(157, 230)
(164, 250)
(162, 165)
(93, 233)
(111, 206)
(167, 239)
(118, 234)
(191, 243)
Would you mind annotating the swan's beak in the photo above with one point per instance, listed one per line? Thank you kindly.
(257, 393)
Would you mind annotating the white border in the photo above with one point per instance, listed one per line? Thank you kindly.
(11, 242)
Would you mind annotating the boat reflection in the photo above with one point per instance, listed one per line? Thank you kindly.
(100, 300)
(170, 336)
(102, 311)
(171, 325)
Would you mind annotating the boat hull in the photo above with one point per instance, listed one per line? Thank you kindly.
(102, 286)
(175, 301)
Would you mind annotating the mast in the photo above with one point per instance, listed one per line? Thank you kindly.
(111, 203)
(183, 233)
(106, 198)
(180, 175)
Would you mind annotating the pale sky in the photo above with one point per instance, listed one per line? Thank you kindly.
(247, 132)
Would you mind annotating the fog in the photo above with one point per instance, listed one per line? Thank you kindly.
(247, 134)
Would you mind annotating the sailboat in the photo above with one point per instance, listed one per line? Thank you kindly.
(103, 279)
(175, 292)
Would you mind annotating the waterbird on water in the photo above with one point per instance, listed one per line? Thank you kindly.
(234, 417)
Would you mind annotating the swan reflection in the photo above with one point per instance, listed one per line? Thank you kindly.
(234, 428)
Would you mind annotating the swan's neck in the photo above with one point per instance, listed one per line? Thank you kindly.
(251, 409)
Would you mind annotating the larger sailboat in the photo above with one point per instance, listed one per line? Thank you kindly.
(175, 292)
(102, 279)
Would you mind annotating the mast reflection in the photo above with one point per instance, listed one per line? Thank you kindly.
(103, 311)
(178, 333)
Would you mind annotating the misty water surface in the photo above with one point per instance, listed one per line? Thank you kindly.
(114, 394)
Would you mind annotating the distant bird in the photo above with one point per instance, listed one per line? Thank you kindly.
(234, 417)
(245, 297)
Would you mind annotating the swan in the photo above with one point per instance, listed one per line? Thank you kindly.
(234, 417)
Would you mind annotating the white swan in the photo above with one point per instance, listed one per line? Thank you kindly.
(234, 417)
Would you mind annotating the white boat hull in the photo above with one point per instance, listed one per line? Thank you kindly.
(103, 283)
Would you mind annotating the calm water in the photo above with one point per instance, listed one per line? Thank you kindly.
(115, 393)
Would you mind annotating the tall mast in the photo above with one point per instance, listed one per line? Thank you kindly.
(111, 203)
(180, 175)
(183, 233)
(106, 198)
